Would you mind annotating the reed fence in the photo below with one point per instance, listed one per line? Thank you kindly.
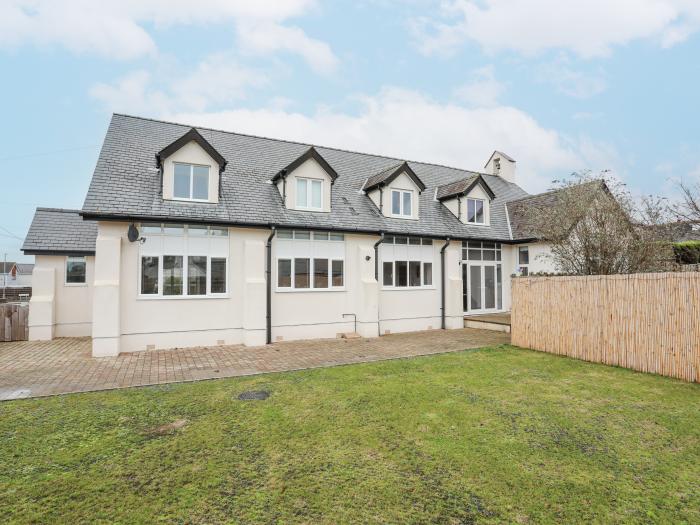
(646, 322)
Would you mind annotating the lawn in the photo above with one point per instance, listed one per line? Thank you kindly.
(483, 436)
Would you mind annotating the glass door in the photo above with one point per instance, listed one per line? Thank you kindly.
(482, 277)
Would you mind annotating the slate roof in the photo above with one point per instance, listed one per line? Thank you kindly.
(518, 209)
(24, 268)
(126, 184)
(459, 187)
(7, 265)
(59, 231)
(389, 174)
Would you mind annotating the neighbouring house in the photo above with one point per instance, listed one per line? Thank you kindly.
(5, 268)
(198, 237)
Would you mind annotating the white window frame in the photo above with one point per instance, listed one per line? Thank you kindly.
(191, 198)
(483, 211)
(408, 260)
(525, 266)
(309, 193)
(401, 214)
(185, 268)
(65, 270)
(312, 237)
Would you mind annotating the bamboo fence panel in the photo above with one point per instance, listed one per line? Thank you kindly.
(14, 322)
(646, 322)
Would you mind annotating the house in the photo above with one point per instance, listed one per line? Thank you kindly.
(5, 275)
(194, 236)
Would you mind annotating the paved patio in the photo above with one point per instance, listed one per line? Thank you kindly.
(61, 366)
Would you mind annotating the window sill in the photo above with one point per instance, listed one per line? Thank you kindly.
(314, 210)
(407, 288)
(75, 285)
(147, 297)
(192, 201)
(308, 290)
(482, 225)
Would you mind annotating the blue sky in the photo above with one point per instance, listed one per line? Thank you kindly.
(561, 88)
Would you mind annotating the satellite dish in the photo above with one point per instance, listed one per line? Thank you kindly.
(133, 234)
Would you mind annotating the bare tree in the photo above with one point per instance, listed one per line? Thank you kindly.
(688, 209)
(596, 227)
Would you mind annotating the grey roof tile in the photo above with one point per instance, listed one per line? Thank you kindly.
(126, 184)
(55, 230)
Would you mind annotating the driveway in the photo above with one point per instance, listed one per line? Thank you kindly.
(62, 366)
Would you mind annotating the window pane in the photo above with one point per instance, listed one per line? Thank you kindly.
(315, 193)
(200, 182)
(172, 275)
(401, 273)
(218, 275)
(400, 240)
(523, 255)
(475, 287)
(471, 210)
(75, 270)
(196, 275)
(414, 273)
(302, 235)
(181, 188)
(301, 273)
(149, 275)
(499, 285)
(414, 240)
(396, 202)
(489, 287)
(337, 275)
(196, 230)
(474, 255)
(216, 231)
(474, 244)
(407, 203)
(427, 242)
(489, 255)
(337, 237)
(428, 274)
(488, 245)
(524, 271)
(480, 212)
(284, 234)
(389, 239)
(388, 274)
(320, 273)
(301, 193)
(320, 236)
(284, 273)
(150, 227)
(174, 229)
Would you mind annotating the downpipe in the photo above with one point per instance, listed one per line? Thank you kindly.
(376, 278)
(268, 279)
(442, 283)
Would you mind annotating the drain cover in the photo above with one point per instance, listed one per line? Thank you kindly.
(250, 395)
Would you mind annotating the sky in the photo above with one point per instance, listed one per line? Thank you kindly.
(561, 86)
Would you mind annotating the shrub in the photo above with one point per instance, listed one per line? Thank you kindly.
(687, 252)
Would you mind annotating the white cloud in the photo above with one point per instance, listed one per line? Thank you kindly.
(115, 28)
(483, 90)
(589, 28)
(216, 80)
(407, 124)
(565, 79)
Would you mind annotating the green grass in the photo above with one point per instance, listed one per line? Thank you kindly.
(487, 436)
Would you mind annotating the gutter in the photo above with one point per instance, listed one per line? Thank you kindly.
(268, 275)
(442, 284)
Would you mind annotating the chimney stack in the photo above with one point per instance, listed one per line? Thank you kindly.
(501, 165)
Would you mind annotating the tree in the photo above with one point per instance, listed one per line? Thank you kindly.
(594, 226)
(688, 209)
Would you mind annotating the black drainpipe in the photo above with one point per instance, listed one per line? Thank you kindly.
(376, 255)
(442, 278)
(381, 198)
(459, 207)
(268, 274)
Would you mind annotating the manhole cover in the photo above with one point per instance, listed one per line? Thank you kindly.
(254, 394)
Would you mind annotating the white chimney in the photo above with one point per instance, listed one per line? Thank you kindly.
(502, 165)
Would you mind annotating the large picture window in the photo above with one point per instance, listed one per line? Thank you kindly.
(183, 261)
(76, 270)
(407, 262)
(191, 182)
(310, 260)
(303, 273)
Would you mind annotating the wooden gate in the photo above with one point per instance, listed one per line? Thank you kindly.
(14, 325)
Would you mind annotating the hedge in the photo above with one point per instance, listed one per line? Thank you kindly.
(687, 252)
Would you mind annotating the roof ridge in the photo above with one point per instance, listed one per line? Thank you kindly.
(251, 135)
(61, 210)
(555, 190)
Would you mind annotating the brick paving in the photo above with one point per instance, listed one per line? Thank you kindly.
(61, 366)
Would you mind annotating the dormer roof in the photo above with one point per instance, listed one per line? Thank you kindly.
(310, 153)
(462, 187)
(385, 176)
(191, 135)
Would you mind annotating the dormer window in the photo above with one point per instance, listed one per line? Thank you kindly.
(475, 211)
(191, 182)
(402, 203)
(309, 194)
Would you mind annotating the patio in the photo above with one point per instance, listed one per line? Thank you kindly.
(62, 366)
